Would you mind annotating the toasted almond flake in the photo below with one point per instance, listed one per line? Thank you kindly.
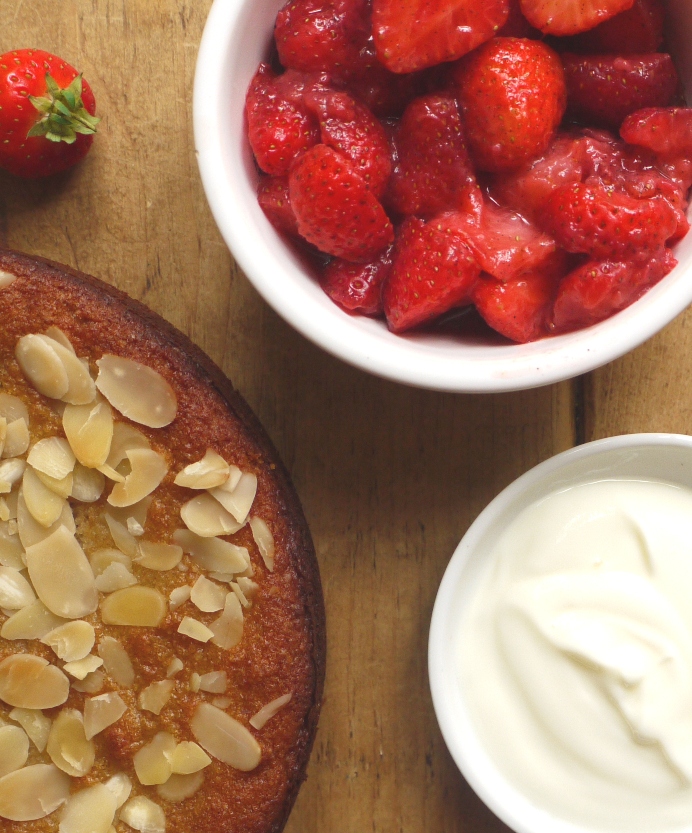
(224, 738)
(137, 391)
(80, 385)
(11, 549)
(81, 667)
(116, 661)
(125, 438)
(3, 433)
(221, 702)
(4, 510)
(244, 601)
(228, 628)
(179, 596)
(123, 539)
(195, 629)
(14, 749)
(68, 746)
(101, 712)
(258, 720)
(129, 514)
(58, 335)
(43, 504)
(207, 518)
(52, 456)
(31, 622)
(187, 758)
(207, 596)
(152, 761)
(238, 501)
(249, 588)
(134, 527)
(11, 472)
(7, 278)
(13, 408)
(31, 532)
(102, 558)
(15, 590)
(264, 540)
(87, 484)
(33, 792)
(213, 554)
(111, 473)
(215, 682)
(180, 787)
(141, 813)
(148, 470)
(155, 696)
(35, 724)
(121, 787)
(195, 680)
(71, 641)
(155, 556)
(41, 364)
(62, 576)
(17, 438)
(91, 684)
(62, 488)
(89, 430)
(29, 682)
(174, 666)
(91, 810)
(115, 577)
(212, 470)
(136, 606)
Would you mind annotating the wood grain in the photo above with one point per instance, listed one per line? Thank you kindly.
(390, 477)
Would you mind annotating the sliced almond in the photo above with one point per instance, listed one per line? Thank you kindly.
(6, 279)
(91, 684)
(89, 430)
(116, 661)
(35, 724)
(31, 532)
(207, 518)
(222, 702)
(179, 596)
(155, 696)
(134, 527)
(174, 666)
(111, 473)
(195, 680)
(244, 601)
(101, 712)
(135, 513)
(58, 335)
(258, 720)
(71, 641)
(152, 761)
(80, 668)
(136, 606)
(141, 813)
(15, 590)
(115, 577)
(87, 484)
(224, 738)
(215, 682)
(11, 549)
(195, 629)
(188, 757)
(3, 433)
(155, 556)
(212, 470)
(62, 576)
(228, 628)
(62, 488)
(264, 540)
(121, 787)
(80, 385)
(52, 456)
(137, 391)
(33, 792)
(4, 510)
(249, 587)
(207, 596)
(124, 540)
(44, 505)
(213, 553)
(101, 559)
(91, 810)
(238, 501)
(148, 470)
(29, 682)
(68, 746)
(17, 438)
(42, 366)
(31, 622)
(14, 749)
(125, 438)
(11, 472)
(13, 408)
(180, 787)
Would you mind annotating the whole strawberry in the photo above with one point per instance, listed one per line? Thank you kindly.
(46, 114)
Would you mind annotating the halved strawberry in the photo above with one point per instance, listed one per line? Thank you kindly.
(569, 17)
(357, 287)
(666, 131)
(633, 32)
(275, 200)
(414, 34)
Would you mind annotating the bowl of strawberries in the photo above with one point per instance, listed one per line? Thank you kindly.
(458, 196)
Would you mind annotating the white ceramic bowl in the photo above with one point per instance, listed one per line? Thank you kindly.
(236, 38)
(665, 457)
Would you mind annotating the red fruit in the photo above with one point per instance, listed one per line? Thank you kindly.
(433, 271)
(433, 172)
(607, 224)
(517, 26)
(414, 34)
(349, 127)
(512, 97)
(665, 131)
(275, 200)
(597, 290)
(636, 31)
(280, 127)
(335, 209)
(602, 90)
(46, 114)
(357, 287)
(569, 17)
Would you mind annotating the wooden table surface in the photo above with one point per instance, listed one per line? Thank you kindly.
(390, 477)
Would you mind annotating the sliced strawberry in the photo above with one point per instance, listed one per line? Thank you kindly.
(433, 172)
(607, 224)
(569, 17)
(433, 271)
(280, 127)
(602, 90)
(357, 287)
(597, 290)
(414, 34)
(335, 209)
(633, 32)
(349, 127)
(665, 131)
(275, 200)
(512, 97)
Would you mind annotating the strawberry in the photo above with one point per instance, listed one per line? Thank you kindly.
(512, 97)
(357, 287)
(602, 90)
(665, 131)
(637, 30)
(433, 271)
(517, 26)
(606, 224)
(335, 209)
(597, 290)
(569, 17)
(433, 172)
(47, 111)
(275, 200)
(414, 34)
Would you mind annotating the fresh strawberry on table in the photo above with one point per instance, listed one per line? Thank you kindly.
(47, 120)
(569, 17)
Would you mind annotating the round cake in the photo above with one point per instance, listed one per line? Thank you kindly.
(162, 639)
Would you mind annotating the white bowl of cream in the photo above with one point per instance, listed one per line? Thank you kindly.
(560, 653)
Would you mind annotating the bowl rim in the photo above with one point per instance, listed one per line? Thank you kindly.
(418, 360)
(463, 743)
